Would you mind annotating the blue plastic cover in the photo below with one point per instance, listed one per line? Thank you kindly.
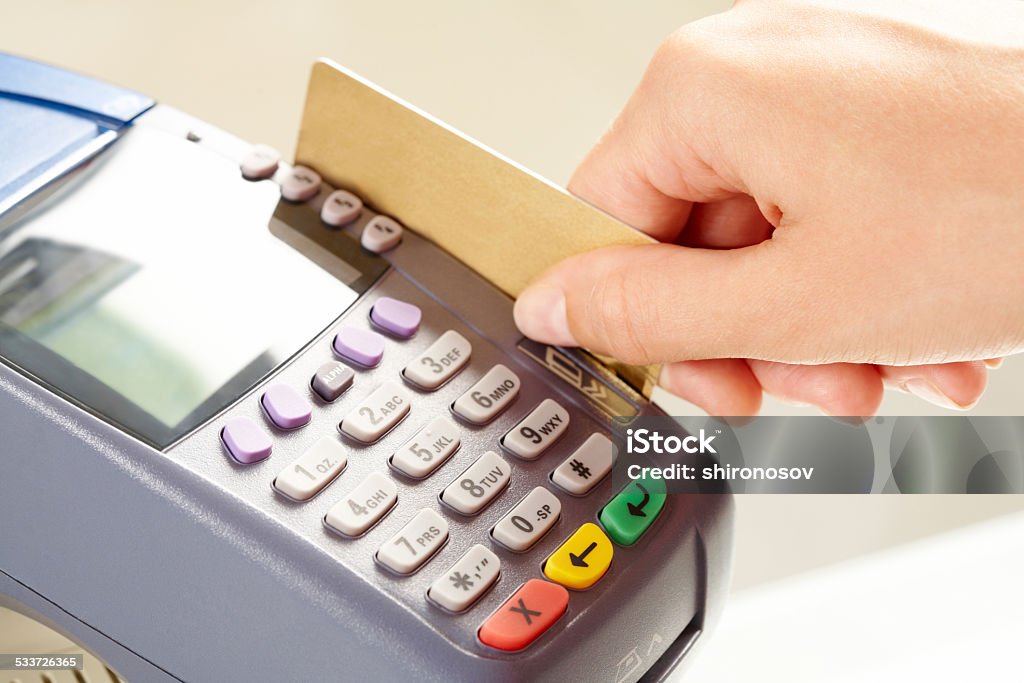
(47, 113)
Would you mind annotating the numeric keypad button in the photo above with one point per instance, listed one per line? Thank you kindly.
(377, 414)
(410, 548)
(538, 430)
(588, 465)
(475, 488)
(485, 400)
(428, 449)
(528, 521)
(467, 580)
(440, 362)
(313, 470)
(364, 506)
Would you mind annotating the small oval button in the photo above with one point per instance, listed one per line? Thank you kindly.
(300, 184)
(285, 407)
(245, 441)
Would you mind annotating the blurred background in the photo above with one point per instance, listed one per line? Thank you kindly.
(539, 82)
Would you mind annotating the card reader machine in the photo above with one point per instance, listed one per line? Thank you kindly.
(252, 430)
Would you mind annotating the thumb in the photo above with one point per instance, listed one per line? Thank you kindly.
(663, 303)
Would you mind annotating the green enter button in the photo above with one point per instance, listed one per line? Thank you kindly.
(628, 515)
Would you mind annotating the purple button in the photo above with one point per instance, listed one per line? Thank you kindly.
(397, 317)
(359, 346)
(285, 407)
(245, 441)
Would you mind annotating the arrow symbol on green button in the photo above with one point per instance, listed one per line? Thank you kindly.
(581, 559)
(638, 510)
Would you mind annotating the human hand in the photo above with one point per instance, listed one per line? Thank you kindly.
(839, 193)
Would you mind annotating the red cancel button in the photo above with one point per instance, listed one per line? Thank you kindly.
(525, 616)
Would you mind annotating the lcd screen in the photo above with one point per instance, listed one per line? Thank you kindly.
(151, 291)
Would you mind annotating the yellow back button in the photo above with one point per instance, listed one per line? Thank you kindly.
(582, 560)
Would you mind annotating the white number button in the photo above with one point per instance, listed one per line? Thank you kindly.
(424, 453)
(586, 466)
(415, 543)
(478, 485)
(488, 397)
(467, 580)
(381, 234)
(528, 521)
(379, 412)
(313, 470)
(300, 184)
(538, 430)
(440, 362)
(364, 506)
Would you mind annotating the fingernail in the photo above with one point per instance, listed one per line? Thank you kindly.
(994, 363)
(924, 389)
(540, 314)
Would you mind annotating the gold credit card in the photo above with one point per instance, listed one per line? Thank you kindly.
(482, 208)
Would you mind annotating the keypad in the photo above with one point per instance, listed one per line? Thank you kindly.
(428, 449)
(245, 441)
(313, 470)
(588, 465)
(538, 430)
(528, 521)
(362, 347)
(525, 616)
(475, 488)
(578, 563)
(364, 506)
(467, 580)
(440, 362)
(286, 407)
(486, 399)
(377, 414)
(416, 543)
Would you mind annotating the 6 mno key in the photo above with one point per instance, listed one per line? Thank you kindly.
(485, 400)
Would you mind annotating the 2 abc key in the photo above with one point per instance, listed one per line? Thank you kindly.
(377, 414)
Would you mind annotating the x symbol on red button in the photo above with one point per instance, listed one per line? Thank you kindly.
(527, 613)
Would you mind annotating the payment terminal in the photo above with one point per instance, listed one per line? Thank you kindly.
(253, 430)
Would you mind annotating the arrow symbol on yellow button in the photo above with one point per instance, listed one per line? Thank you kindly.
(581, 559)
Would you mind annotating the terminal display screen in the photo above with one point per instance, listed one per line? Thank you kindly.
(150, 290)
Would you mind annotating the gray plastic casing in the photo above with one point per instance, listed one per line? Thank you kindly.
(183, 565)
